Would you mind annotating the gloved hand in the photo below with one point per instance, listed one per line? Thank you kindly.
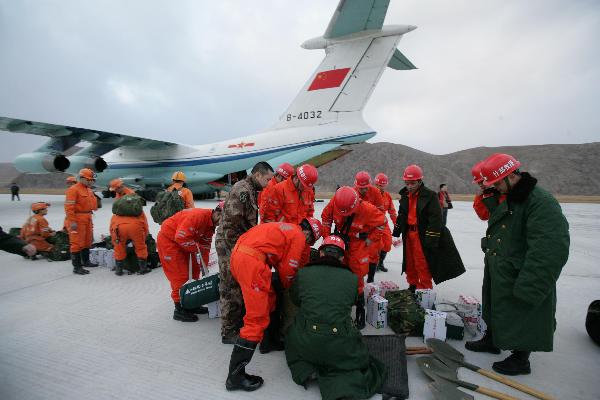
(29, 249)
(431, 242)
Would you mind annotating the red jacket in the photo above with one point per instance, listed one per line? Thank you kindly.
(192, 229)
(388, 206)
(267, 214)
(286, 204)
(373, 196)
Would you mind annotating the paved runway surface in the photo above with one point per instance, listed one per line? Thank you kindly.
(64, 336)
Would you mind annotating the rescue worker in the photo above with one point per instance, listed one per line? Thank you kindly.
(526, 246)
(361, 226)
(36, 230)
(283, 172)
(240, 213)
(178, 185)
(275, 244)
(80, 203)
(367, 192)
(381, 182)
(128, 228)
(323, 343)
(186, 233)
(70, 181)
(15, 245)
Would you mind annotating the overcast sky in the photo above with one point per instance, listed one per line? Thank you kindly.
(501, 72)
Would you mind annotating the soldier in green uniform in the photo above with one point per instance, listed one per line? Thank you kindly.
(526, 246)
(15, 245)
(240, 213)
(323, 342)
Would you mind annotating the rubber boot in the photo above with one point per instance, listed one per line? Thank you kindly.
(412, 288)
(371, 275)
(360, 313)
(515, 364)
(85, 259)
(272, 338)
(77, 268)
(119, 267)
(183, 315)
(229, 339)
(144, 267)
(483, 345)
(380, 266)
(238, 379)
(199, 310)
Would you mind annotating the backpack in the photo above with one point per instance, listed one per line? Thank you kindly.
(405, 315)
(60, 252)
(128, 206)
(16, 232)
(167, 204)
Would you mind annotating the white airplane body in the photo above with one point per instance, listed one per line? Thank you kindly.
(325, 114)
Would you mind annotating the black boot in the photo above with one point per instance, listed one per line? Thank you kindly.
(183, 315)
(199, 310)
(144, 268)
(238, 379)
(371, 275)
(229, 339)
(380, 266)
(412, 288)
(515, 364)
(85, 259)
(272, 338)
(77, 268)
(360, 313)
(483, 345)
(119, 267)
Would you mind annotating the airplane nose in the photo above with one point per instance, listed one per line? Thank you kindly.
(411, 28)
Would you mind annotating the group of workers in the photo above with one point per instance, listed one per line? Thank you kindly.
(267, 223)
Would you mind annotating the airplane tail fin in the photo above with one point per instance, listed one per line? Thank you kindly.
(341, 85)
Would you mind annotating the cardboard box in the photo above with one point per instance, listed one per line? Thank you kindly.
(426, 297)
(377, 311)
(472, 310)
(214, 309)
(94, 252)
(371, 289)
(109, 259)
(385, 286)
(435, 325)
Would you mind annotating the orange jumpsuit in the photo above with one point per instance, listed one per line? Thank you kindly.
(374, 197)
(185, 193)
(263, 197)
(417, 269)
(388, 206)
(126, 191)
(189, 231)
(35, 231)
(368, 220)
(274, 244)
(125, 228)
(80, 203)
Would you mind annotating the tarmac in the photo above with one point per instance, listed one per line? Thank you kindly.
(100, 336)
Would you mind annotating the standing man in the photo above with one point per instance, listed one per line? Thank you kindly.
(188, 232)
(178, 185)
(240, 213)
(526, 246)
(445, 202)
(381, 182)
(360, 224)
(275, 244)
(283, 172)
(80, 203)
(14, 192)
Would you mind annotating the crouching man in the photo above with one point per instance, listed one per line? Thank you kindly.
(323, 342)
(274, 244)
(36, 230)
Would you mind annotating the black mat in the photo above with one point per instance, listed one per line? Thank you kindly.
(391, 350)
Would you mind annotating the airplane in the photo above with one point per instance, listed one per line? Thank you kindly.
(326, 114)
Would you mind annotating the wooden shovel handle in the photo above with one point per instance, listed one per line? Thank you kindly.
(515, 384)
(494, 394)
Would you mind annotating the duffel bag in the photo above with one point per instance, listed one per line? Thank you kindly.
(198, 292)
(405, 315)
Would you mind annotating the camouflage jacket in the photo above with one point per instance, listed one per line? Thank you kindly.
(240, 211)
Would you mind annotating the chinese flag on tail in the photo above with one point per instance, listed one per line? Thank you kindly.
(329, 79)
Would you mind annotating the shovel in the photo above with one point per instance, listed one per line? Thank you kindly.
(444, 390)
(454, 358)
(436, 370)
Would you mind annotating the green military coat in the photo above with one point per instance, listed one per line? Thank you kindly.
(526, 246)
(323, 340)
(11, 244)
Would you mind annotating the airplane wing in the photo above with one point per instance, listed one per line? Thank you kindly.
(353, 16)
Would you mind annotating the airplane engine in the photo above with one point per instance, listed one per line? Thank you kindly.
(97, 164)
(41, 163)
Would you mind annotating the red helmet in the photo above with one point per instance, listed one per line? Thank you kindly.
(381, 179)
(87, 174)
(333, 240)
(286, 170)
(476, 172)
(308, 175)
(115, 184)
(316, 227)
(346, 200)
(498, 166)
(40, 205)
(362, 179)
(412, 173)
(71, 179)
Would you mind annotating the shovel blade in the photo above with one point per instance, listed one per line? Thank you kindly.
(443, 390)
(447, 351)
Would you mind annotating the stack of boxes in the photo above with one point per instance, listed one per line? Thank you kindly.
(435, 325)
(377, 311)
(472, 312)
(426, 298)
